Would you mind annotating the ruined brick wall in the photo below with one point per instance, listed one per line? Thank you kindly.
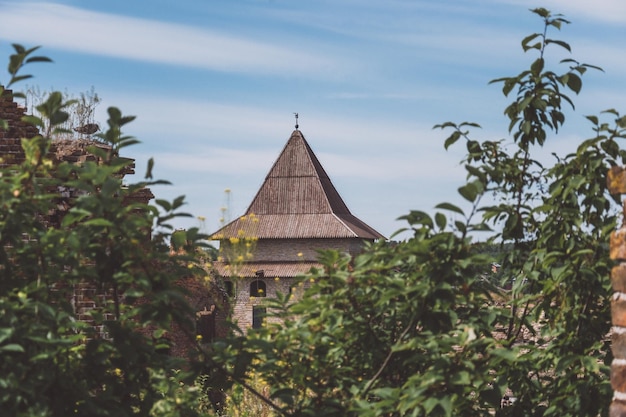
(617, 185)
(201, 296)
(86, 300)
(85, 297)
(11, 152)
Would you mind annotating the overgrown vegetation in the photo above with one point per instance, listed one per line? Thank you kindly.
(404, 330)
(81, 111)
(51, 364)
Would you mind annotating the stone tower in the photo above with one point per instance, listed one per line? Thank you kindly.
(296, 212)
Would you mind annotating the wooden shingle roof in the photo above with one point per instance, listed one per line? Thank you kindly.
(298, 200)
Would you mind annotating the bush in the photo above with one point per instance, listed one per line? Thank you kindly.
(66, 227)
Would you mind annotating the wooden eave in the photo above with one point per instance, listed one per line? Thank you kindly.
(270, 269)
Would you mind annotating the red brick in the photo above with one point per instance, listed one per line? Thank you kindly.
(617, 409)
(618, 377)
(618, 244)
(616, 180)
(618, 344)
(618, 312)
(618, 278)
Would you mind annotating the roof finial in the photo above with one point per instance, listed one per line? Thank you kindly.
(296, 114)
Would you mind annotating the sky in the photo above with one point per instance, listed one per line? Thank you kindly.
(215, 85)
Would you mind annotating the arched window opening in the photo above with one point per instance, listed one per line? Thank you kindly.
(258, 288)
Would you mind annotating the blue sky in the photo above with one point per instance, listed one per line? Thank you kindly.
(215, 83)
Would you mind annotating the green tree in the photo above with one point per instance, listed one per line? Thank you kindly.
(411, 330)
(50, 363)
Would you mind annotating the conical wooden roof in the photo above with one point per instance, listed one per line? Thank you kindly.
(298, 200)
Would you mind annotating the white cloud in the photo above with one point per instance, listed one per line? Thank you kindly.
(217, 161)
(198, 120)
(106, 34)
(611, 11)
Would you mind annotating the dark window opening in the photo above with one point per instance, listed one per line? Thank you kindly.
(258, 289)
(205, 324)
(258, 316)
(229, 288)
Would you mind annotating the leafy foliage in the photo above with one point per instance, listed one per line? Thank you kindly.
(106, 364)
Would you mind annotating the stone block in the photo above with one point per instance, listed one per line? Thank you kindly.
(616, 180)
(617, 409)
(618, 278)
(618, 244)
(618, 312)
(618, 343)
(618, 375)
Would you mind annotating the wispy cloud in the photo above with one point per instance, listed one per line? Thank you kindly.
(204, 120)
(84, 31)
(225, 163)
(611, 11)
(213, 140)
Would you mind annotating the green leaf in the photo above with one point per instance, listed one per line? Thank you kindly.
(537, 66)
(75, 215)
(446, 404)
(452, 139)
(416, 217)
(508, 355)
(179, 239)
(164, 204)
(460, 226)
(430, 404)
(469, 192)
(529, 39)
(286, 395)
(19, 78)
(450, 207)
(100, 222)
(38, 59)
(574, 82)
(440, 220)
(12, 347)
(5, 333)
(461, 378)
(148, 175)
(562, 44)
(545, 13)
(513, 227)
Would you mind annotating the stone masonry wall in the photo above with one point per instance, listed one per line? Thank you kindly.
(287, 250)
(281, 250)
(243, 303)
